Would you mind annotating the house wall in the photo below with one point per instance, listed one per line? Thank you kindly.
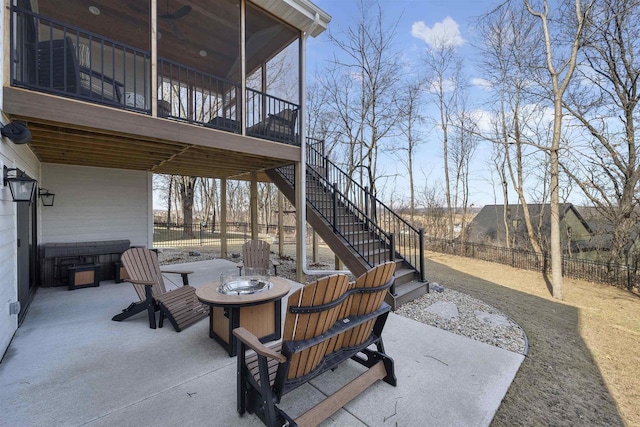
(578, 230)
(12, 156)
(93, 204)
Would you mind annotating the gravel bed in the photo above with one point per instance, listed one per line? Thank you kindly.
(507, 335)
(468, 322)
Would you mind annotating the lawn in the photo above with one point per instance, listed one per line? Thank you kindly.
(583, 366)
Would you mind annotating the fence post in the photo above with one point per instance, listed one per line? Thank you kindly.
(201, 227)
(335, 206)
(421, 246)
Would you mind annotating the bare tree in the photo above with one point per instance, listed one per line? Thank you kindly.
(434, 217)
(361, 85)
(443, 68)
(604, 103)
(409, 124)
(561, 60)
(321, 120)
(186, 189)
(509, 39)
(464, 143)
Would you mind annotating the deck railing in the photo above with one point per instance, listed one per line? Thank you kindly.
(65, 60)
(196, 97)
(51, 56)
(271, 118)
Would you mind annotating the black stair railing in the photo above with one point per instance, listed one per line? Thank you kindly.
(347, 220)
(409, 240)
(356, 214)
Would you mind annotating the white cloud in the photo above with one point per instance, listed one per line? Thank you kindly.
(434, 86)
(484, 119)
(442, 34)
(481, 83)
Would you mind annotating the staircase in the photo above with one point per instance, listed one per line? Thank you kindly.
(360, 229)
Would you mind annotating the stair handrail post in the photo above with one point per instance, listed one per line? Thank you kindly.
(335, 205)
(366, 197)
(325, 162)
(372, 200)
(392, 247)
(421, 245)
(392, 258)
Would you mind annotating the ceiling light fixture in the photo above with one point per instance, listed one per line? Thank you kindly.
(94, 10)
(203, 53)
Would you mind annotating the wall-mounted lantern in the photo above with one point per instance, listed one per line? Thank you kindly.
(22, 186)
(46, 197)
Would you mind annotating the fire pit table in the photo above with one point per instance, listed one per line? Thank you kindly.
(254, 306)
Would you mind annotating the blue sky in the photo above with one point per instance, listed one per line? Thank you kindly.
(428, 16)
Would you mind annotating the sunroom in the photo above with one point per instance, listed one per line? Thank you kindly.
(229, 65)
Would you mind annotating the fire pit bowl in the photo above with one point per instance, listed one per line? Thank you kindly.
(253, 280)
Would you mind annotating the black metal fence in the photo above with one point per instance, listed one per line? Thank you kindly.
(200, 234)
(624, 276)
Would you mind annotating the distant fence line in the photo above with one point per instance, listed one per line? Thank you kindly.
(594, 271)
(202, 234)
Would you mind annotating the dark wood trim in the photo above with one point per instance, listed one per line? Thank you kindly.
(40, 107)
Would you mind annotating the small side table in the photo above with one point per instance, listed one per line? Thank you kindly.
(84, 276)
(260, 313)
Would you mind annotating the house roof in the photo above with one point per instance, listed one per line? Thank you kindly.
(301, 14)
(490, 220)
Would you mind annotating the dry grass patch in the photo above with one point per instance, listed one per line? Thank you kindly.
(584, 360)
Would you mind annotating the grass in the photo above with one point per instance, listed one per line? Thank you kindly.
(584, 356)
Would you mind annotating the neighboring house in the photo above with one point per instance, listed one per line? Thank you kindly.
(489, 226)
(600, 243)
(113, 91)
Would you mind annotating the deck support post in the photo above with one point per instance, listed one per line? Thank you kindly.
(223, 218)
(254, 205)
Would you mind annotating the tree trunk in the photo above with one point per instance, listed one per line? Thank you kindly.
(556, 249)
(169, 199)
(187, 193)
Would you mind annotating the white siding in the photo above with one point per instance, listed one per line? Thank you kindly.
(94, 204)
(12, 156)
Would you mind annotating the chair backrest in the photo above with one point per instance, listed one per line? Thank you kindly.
(255, 254)
(283, 123)
(302, 326)
(142, 264)
(374, 285)
(58, 67)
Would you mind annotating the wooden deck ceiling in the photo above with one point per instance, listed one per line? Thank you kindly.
(67, 131)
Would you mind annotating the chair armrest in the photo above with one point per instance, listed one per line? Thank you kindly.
(254, 344)
(176, 271)
(141, 282)
(99, 77)
(184, 274)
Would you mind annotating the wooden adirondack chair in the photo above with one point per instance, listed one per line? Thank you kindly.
(180, 306)
(256, 254)
(327, 322)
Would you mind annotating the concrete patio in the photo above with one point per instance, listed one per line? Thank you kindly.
(70, 365)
